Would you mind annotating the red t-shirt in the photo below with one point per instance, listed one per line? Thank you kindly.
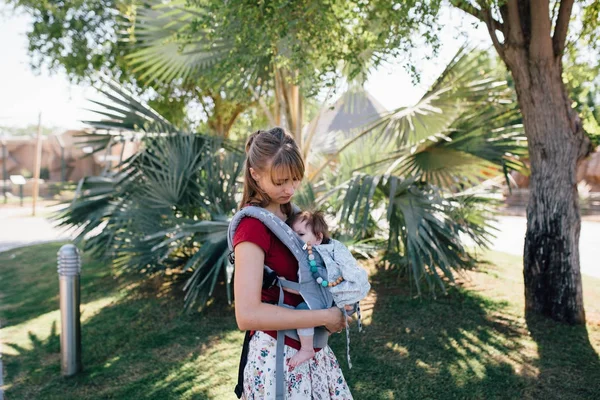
(278, 257)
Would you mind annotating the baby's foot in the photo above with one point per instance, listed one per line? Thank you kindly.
(301, 356)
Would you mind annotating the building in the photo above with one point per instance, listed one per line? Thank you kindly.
(68, 156)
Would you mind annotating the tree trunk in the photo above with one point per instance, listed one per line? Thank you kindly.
(556, 143)
(532, 46)
(289, 99)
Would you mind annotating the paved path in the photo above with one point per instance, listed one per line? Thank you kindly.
(18, 228)
(511, 238)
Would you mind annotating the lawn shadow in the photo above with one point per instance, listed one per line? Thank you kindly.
(32, 279)
(566, 358)
(140, 346)
(464, 345)
(459, 346)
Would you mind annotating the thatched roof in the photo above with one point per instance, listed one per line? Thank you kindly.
(355, 109)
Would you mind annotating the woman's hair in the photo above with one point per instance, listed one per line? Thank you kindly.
(315, 221)
(275, 152)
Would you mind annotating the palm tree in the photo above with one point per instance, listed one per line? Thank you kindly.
(165, 207)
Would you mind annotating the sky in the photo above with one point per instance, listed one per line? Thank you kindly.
(24, 94)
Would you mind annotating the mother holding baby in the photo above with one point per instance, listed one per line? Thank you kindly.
(273, 171)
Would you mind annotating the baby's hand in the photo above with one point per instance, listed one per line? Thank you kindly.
(350, 309)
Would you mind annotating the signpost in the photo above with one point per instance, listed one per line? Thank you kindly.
(38, 162)
(19, 180)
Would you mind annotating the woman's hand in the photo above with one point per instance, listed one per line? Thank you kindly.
(337, 320)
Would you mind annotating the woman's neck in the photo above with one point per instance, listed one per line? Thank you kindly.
(275, 208)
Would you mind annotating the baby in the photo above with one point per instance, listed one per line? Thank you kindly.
(346, 280)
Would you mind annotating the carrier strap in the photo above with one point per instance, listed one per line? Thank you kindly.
(279, 358)
(320, 341)
(360, 327)
(284, 283)
(239, 388)
(347, 337)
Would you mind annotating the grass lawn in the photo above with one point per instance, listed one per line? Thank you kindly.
(473, 343)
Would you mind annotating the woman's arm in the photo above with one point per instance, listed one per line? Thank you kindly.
(252, 314)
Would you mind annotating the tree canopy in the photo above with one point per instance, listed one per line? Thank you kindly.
(200, 50)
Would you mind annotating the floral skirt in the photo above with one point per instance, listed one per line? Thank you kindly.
(318, 378)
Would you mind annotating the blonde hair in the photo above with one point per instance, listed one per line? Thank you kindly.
(273, 151)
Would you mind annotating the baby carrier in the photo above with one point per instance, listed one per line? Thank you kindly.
(316, 296)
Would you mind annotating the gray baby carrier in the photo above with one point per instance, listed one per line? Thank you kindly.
(316, 296)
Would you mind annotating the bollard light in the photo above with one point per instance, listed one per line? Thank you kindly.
(69, 269)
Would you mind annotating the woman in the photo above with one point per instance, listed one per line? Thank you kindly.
(273, 171)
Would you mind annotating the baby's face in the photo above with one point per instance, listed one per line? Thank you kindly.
(306, 233)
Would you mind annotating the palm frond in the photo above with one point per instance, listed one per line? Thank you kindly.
(480, 145)
(168, 207)
(166, 49)
(421, 225)
(466, 82)
(125, 112)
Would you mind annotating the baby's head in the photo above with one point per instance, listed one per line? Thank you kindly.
(310, 226)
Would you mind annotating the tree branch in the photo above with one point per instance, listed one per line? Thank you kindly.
(540, 45)
(562, 26)
(234, 114)
(515, 33)
(265, 108)
(477, 13)
(490, 24)
(553, 15)
(200, 95)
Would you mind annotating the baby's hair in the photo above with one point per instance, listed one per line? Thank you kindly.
(315, 220)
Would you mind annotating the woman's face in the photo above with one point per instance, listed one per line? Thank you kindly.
(280, 189)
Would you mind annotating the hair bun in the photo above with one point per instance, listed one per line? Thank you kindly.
(277, 132)
(251, 140)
